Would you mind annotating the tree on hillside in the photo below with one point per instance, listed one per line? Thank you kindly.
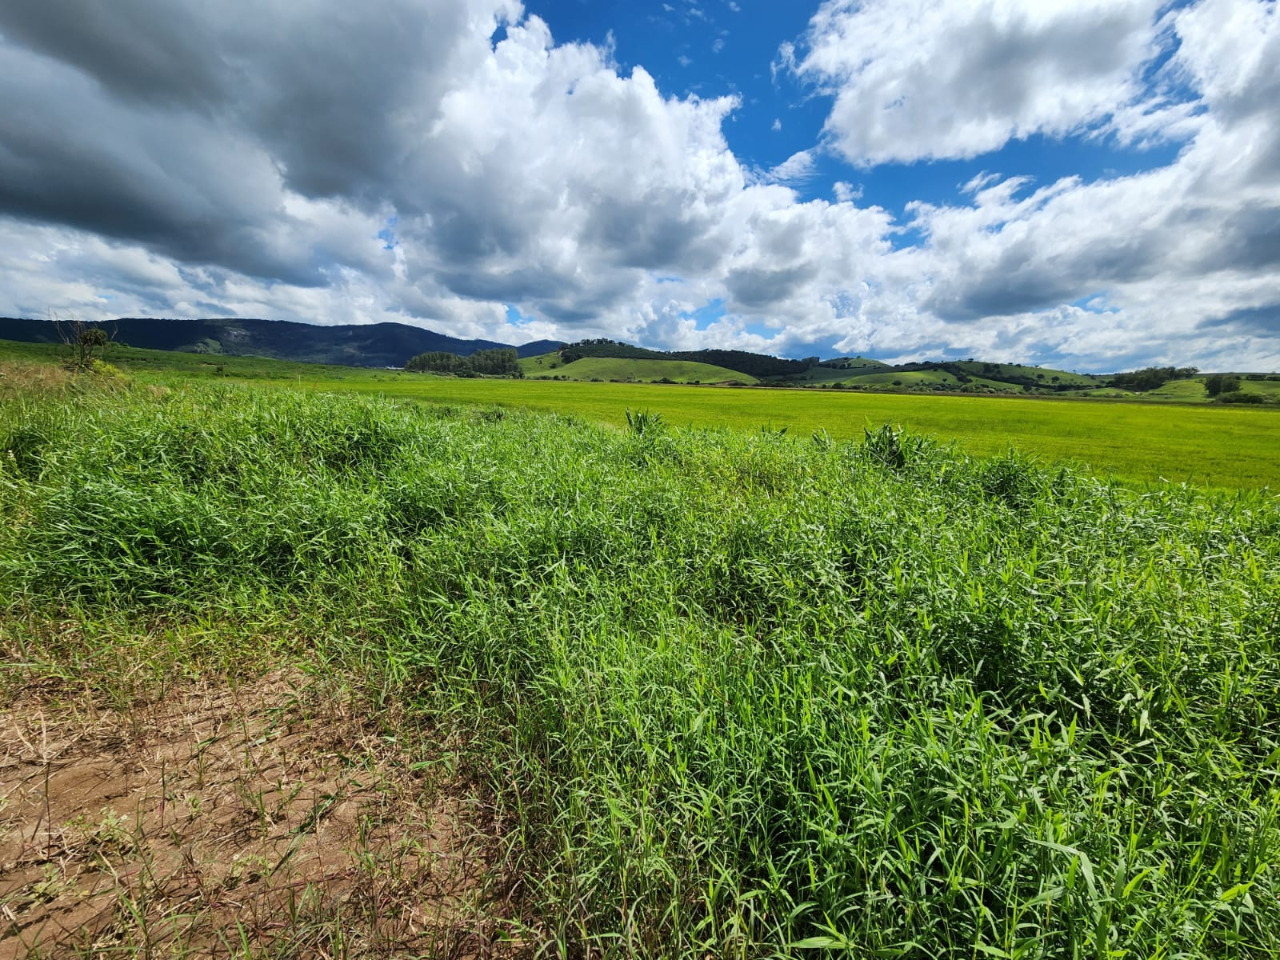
(1220, 383)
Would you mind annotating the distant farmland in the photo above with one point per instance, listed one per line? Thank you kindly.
(1231, 447)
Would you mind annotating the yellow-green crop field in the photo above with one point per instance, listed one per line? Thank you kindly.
(1226, 447)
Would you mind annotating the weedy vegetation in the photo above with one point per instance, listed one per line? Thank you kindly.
(715, 694)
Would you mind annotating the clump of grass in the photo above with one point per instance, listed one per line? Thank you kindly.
(735, 694)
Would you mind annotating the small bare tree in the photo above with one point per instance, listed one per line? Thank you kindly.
(83, 339)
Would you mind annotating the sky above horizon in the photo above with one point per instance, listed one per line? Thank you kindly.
(1085, 184)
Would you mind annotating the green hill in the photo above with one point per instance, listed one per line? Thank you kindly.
(620, 368)
(1037, 377)
(1254, 383)
(967, 376)
(1193, 390)
(542, 364)
(963, 376)
(893, 379)
(1185, 391)
(841, 368)
(752, 365)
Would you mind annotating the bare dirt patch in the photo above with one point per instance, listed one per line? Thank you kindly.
(267, 818)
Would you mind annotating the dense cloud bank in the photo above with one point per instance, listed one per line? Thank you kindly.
(435, 162)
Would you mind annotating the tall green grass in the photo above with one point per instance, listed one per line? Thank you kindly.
(736, 694)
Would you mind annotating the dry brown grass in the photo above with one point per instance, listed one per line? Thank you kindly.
(265, 819)
(24, 378)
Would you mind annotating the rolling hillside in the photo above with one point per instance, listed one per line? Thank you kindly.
(892, 379)
(550, 366)
(1264, 386)
(840, 369)
(1042, 377)
(391, 345)
(967, 376)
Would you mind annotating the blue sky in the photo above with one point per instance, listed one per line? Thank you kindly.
(1092, 184)
(714, 48)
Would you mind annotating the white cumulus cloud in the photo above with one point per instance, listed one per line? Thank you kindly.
(928, 79)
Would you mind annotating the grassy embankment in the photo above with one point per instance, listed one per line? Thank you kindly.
(731, 694)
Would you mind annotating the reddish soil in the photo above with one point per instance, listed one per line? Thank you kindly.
(263, 819)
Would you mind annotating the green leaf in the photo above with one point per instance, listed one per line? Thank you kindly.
(991, 951)
(815, 943)
(1239, 890)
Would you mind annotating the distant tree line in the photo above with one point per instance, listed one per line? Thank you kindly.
(752, 364)
(604, 347)
(1151, 378)
(504, 362)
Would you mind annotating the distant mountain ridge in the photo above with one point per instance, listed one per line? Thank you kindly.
(354, 345)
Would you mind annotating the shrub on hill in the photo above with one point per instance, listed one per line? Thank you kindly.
(1220, 383)
(753, 364)
(1239, 396)
(604, 347)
